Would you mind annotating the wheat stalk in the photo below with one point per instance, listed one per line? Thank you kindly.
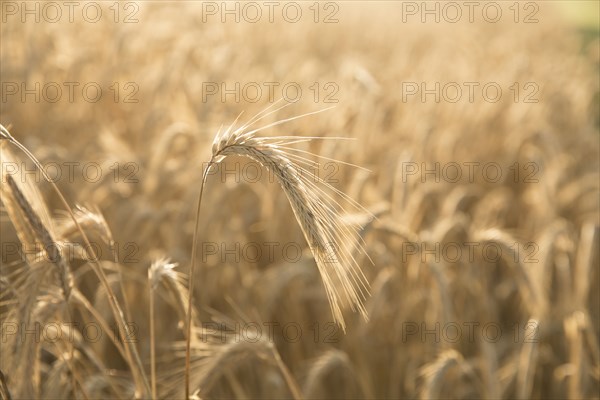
(162, 271)
(332, 240)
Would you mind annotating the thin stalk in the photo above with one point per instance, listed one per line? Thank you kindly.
(287, 375)
(121, 280)
(152, 337)
(85, 305)
(191, 285)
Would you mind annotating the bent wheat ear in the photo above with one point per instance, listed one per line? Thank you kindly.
(332, 240)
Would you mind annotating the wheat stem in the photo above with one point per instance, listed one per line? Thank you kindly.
(188, 335)
(289, 379)
(152, 336)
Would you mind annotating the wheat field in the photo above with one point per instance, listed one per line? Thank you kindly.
(398, 200)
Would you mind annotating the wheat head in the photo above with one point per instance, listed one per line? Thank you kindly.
(332, 240)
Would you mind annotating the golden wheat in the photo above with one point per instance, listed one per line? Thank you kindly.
(522, 325)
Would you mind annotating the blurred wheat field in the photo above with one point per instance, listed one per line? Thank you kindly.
(483, 284)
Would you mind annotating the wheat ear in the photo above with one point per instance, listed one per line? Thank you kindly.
(45, 237)
(331, 240)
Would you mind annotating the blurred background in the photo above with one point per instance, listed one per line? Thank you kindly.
(479, 124)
